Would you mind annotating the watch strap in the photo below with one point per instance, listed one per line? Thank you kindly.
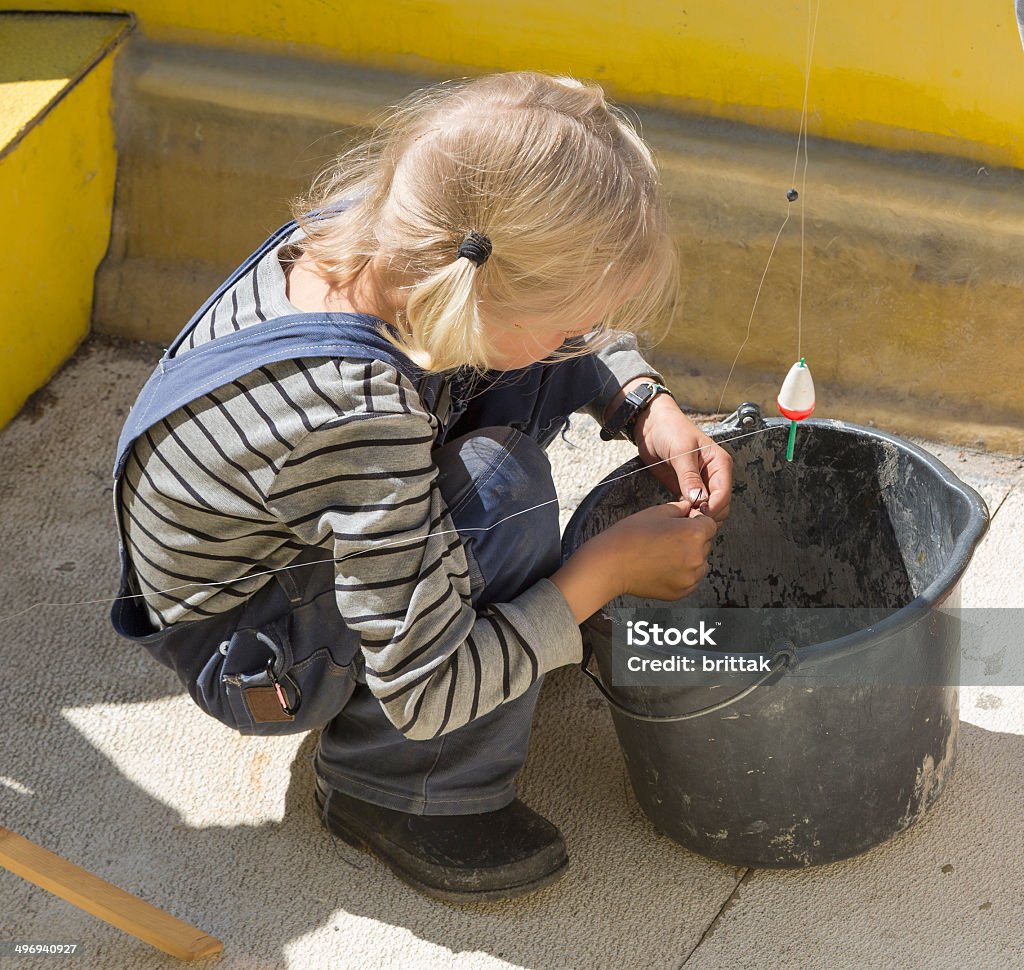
(620, 424)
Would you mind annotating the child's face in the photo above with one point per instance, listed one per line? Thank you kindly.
(531, 339)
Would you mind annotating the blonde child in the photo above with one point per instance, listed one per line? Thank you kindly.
(333, 501)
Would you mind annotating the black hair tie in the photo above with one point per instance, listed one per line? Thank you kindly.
(476, 247)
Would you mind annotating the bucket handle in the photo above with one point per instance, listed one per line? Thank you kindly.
(783, 659)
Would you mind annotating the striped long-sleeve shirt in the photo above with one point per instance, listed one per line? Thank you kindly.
(335, 453)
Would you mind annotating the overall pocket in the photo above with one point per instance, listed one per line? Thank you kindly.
(290, 675)
(281, 663)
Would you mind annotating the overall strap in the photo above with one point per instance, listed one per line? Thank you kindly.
(177, 381)
(182, 377)
(276, 239)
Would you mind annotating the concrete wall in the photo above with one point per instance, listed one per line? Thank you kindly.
(913, 75)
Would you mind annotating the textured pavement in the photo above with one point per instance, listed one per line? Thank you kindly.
(105, 761)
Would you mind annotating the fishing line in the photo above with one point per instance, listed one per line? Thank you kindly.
(812, 33)
(791, 197)
(359, 552)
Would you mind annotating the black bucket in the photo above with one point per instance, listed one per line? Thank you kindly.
(801, 766)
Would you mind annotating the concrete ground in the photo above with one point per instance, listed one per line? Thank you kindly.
(106, 762)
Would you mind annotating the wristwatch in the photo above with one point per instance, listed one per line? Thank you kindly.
(621, 423)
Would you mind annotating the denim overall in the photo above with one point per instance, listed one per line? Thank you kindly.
(283, 661)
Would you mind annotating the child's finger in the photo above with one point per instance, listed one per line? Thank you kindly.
(719, 476)
(691, 484)
(681, 507)
(704, 523)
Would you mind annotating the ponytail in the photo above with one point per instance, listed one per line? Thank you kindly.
(443, 326)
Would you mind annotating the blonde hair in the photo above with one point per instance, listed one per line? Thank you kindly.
(559, 181)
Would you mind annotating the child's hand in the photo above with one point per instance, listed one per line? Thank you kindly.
(697, 470)
(660, 553)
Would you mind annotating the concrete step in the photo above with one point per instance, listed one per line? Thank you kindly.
(911, 266)
(57, 166)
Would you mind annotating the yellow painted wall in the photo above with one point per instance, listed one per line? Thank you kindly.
(925, 75)
(57, 167)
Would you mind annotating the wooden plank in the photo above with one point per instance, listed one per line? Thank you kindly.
(103, 899)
